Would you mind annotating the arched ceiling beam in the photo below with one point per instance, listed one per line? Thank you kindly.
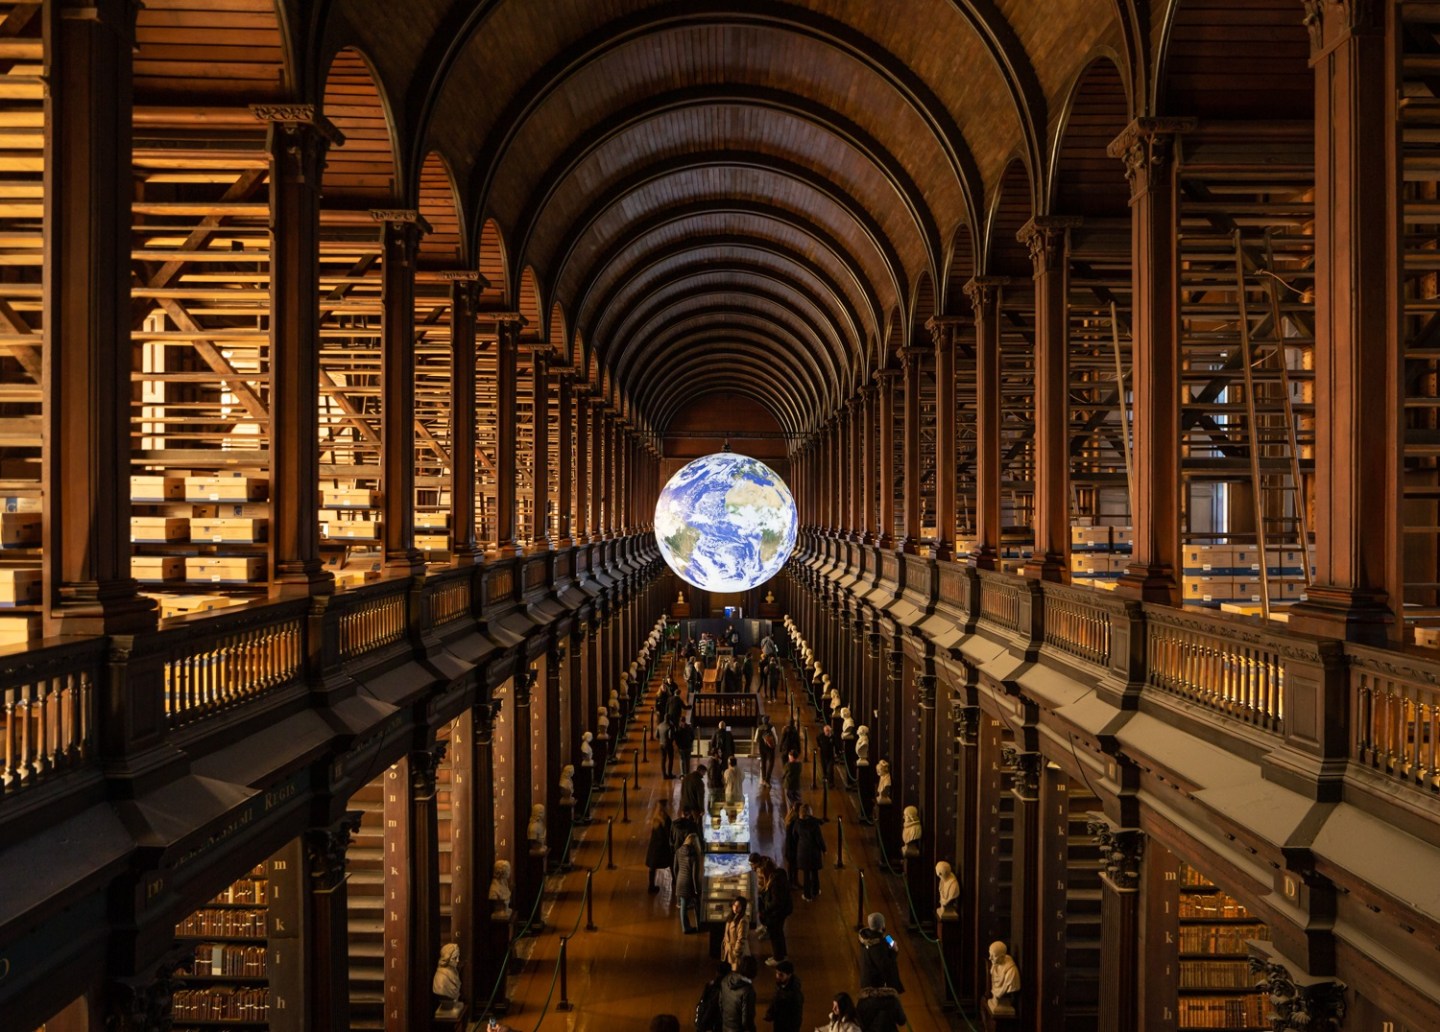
(869, 229)
(657, 286)
(685, 13)
(744, 390)
(749, 364)
(643, 228)
(906, 190)
(785, 338)
(700, 246)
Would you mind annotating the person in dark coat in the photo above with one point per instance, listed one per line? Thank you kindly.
(692, 790)
(737, 998)
(659, 853)
(722, 745)
(675, 706)
(772, 680)
(787, 1009)
(765, 744)
(810, 851)
(879, 1010)
(684, 744)
(688, 864)
(666, 739)
(879, 963)
(707, 1011)
(792, 846)
(789, 740)
(826, 744)
(747, 672)
(775, 907)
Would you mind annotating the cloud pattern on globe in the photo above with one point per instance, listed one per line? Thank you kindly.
(726, 522)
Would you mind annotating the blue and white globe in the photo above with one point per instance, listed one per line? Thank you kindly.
(726, 523)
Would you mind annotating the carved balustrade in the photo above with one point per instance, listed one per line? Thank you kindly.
(47, 711)
(217, 663)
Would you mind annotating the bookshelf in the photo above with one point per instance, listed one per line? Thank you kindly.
(1215, 990)
(225, 982)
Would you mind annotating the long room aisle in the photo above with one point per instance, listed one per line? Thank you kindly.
(637, 963)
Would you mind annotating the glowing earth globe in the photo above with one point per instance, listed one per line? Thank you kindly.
(725, 522)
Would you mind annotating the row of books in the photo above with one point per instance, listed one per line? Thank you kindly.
(245, 1004)
(1222, 1012)
(1208, 906)
(1215, 974)
(214, 959)
(229, 924)
(1222, 939)
(253, 890)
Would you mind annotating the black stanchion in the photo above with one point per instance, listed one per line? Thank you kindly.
(590, 901)
(636, 757)
(860, 907)
(824, 800)
(839, 843)
(564, 1004)
(645, 746)
(609, 843)
(624, 800)
(814, 768)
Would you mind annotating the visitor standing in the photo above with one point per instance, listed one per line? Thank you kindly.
(775, 906)
(790, 781)
(666, 738)
(735, 942)
(879, 961)
(688, 862)
(737, 998)
(659, 853)
(879, 1010)
(765, 745)
(787, 1009)
(684, 744)
(842, 1015)
(722, 745)
(826, 744)
(692, 790)
(810, 851)
(734, 782)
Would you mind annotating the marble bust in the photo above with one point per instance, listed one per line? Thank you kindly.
(1004, 979)
(567, 783)
(882, 787)
(847, 723)
(862, 745)
(446, 983)
(614, 702)
(602, 722)
(911, 831)
(949, 890)
(835, 706)
(536, 831)
(500, 889)
(587, 751)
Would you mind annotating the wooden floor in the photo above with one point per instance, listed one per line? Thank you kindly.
(638, 964)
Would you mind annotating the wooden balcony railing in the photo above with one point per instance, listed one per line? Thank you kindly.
(450, 597)
(1216, 663)
(47, 711)
(375, 616)
(1395, 719)
(1076, 624)
(1000, 600)
(217, 663)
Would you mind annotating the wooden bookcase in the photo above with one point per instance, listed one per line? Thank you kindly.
(1214, 986)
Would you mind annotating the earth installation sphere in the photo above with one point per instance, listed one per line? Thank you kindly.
(725, 522)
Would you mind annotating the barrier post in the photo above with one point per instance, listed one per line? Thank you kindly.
(645, 745)
(590, 901)
(636, 757)
(609, 843)
(814, 767)
(860, 907)
(824, 800)
(839, 843)
(564, 1004)
(624, 800)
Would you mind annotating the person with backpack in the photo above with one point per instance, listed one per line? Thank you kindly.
(684, 743)
(737, 998)
(707, 1010)
(879, 962)
(666, 737)
(790, 781)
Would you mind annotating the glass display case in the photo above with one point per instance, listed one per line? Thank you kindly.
(727, 875)
(727, 828)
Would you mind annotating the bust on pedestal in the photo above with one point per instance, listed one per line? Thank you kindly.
(948, 927)
(1004, 982)
(446, 985)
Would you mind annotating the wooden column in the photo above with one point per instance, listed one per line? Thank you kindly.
(885, 468)
(866, 463)
(1025, 879)
(942, 334)
(522, 791)
(597, 466)
(472, 850)
(327, 958)
(400, 232)
(583, 490)
(464, 294)
(86, 377)
(987, 907)
(1050, 961)
(297, 140)
(1121, 850)
(967, 844)
(1046, 238)
(929, 802)
(611, 497)
(855, 467)
(842, 471)
(508, 328)
(1358, 559)
(984, 294)
(565, 430)
(1145, 147)
(540, 507)
(911, 359)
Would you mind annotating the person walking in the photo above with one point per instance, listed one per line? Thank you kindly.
(666, 737)
(659, 853)
(842, 1015)
(688, 864)
(692, 790)
(879, 962)
(684, 744)
(765, 745)
(790, 739)
(695, 675)
(772, 680)
(826, 744)
(737, 998)
(787, 1008)
(735, 942)
(775, 906)
(734, 782)
(810, 851)
(790, 781)
(792, 845)
(879, 1010)
(675, 707)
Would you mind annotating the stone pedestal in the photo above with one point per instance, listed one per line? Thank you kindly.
(491, 941)
(920, 881)
(952, 954)
(449, 1017)
(847, 751)
(865, 780)
(601, 745)
(560, 833)
(887, 822)
(529, 885)
(584, 780)
(999, 1017)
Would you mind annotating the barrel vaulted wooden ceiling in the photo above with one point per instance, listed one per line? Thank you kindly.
(689, 197)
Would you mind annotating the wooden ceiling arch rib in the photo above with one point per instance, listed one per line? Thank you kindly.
(530, 305)
(1084, 179)
(1215, 55)
(443, 247)
(1009, 211)
(745, 371)
(213, 52)
(361, 172)
(854, 228)
(959, 270)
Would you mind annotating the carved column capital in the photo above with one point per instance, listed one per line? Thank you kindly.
(895, 662)
(1145, 147)
(984, 291)
(425, 769)
(1044, 238)
(1121, 849)
(1298, 1003)
(925, 684)
(143, 1003)
(874, 644)
(1026, 765)
(942, 330)
(325, 850)
(1351, 16)
(967, 724)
